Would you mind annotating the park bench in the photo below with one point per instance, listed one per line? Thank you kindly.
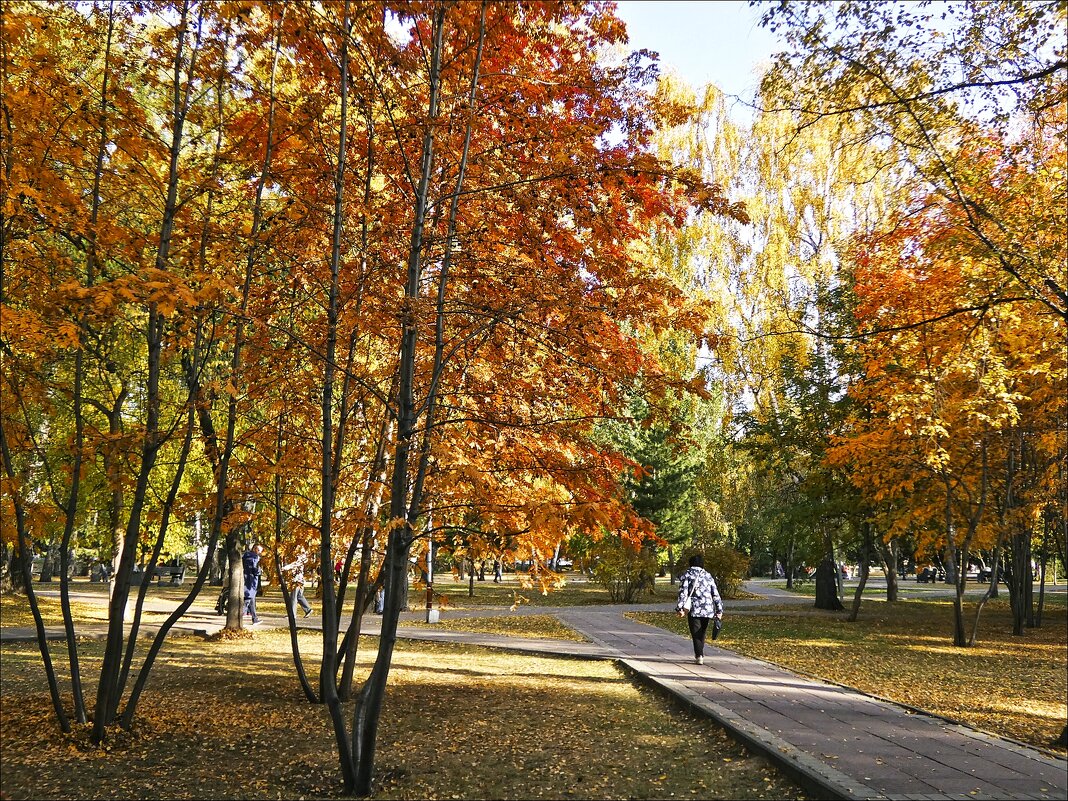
(176, 573)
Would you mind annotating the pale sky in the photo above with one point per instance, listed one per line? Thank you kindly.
(717, 41)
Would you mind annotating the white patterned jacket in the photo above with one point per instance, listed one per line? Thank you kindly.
(706, 600)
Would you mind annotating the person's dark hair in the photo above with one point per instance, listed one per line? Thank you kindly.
(697, 560)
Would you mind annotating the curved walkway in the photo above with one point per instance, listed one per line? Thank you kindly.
(838, 742)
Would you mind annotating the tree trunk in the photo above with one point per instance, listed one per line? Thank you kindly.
(1062, 741)
(888, 556)
(406, 495)
(7, 552)
(827, 586)
(790, 563)
(25, 562)
(402, 507)
(865, 559)
(1041, 586)
(48, 563)
(372, 695)
(235, 604)
(1020, 582)
(218, 568)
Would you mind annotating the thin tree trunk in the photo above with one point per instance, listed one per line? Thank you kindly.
(26, 564)
(290, 601)
(888, 556)
(365, 588)
(157, 644)
(128, 714)
(108, 691)
(790, 563)
(369, 703)
(1042, 570)
(80, 713)
(865, 558)
(826, 586)
(991, 590)
(953, 568)
(328, 670)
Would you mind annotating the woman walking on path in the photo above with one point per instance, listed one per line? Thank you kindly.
(699, 602)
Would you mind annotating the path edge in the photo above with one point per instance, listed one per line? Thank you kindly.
(814, 776)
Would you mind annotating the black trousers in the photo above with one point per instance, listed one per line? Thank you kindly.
(698, 627)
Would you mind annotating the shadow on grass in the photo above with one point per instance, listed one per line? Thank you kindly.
(225, 720)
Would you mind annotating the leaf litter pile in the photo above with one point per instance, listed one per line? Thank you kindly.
(226, 719)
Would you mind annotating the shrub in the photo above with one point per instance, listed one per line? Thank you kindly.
(727, 566)
(623, 568)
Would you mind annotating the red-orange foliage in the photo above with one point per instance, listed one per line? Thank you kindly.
(461, 291)
(961, 365)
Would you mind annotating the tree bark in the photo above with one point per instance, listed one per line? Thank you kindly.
(827, 586)
(865, 558)
(25, 561)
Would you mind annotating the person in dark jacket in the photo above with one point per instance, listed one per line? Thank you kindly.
(698, 586)
(250, 561)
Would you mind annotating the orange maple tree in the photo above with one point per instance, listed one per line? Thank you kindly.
(336, 277)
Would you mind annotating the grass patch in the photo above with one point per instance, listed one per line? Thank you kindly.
(15, 611)
(1010, 686)
(536, 626)
(226, 719)
(514, 591)
(517, 591)
(910, 589)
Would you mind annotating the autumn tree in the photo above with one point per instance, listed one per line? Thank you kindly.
(112, 283)
(925, 75)
(779, 288)
(462, 387)
(947, 411)
(335, 276)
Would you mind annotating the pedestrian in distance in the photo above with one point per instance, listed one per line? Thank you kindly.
(223, 603)
(296, 570)
(250, 562)
(700, 604)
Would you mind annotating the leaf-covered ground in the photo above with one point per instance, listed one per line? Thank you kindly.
(1011, 686)
(15, 611)
(514, 591)
(226, 719)
(537, 626)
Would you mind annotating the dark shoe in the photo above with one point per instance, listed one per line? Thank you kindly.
(307, 612)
